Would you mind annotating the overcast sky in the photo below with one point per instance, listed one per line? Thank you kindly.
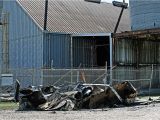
(110, 1)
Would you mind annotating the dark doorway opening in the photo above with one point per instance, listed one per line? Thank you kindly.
(91, 51)
(103, 51)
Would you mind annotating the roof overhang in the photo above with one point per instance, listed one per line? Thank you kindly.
(91, 34)
(139, 34)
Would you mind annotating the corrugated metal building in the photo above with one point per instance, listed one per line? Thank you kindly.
(145, 14)
(78, 33)
(136, 53)
(31, 47)
(137, 57)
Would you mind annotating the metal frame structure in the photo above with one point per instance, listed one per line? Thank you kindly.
(91, 34)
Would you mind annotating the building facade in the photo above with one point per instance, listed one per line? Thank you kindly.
(78, 34)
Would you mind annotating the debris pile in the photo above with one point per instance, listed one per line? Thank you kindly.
(83, 96)
(6, 94)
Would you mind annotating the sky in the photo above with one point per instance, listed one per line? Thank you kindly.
(110, 1)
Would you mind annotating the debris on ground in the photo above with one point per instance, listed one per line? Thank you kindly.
(83, 96)
(6, 94)
(6, 99)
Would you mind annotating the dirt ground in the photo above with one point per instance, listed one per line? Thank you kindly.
(140, 112)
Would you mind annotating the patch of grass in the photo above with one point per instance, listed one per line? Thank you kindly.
(8, 105)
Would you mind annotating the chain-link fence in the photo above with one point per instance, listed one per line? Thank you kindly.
(146, 79)
(72, 76)
(142, 78)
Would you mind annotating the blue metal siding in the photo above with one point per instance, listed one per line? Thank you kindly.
(1, 7)
(145, 14)
(56, 50)
(25, 38)
(1, 48)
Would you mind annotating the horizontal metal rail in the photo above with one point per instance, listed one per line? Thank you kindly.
(132, 80)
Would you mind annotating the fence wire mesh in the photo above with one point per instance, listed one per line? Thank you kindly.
(142, 78)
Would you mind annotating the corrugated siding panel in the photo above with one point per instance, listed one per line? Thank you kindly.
(25, 38)
(83, 52)
(149, 52)
(1, 48)
(125, 52)
(56, 51)
(25, 45)
(145, 14)
(1, 7)
(156, 77)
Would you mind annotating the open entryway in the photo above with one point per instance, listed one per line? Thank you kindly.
(91, 50)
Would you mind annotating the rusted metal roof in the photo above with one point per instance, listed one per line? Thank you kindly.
(148, 33)
(76, 16)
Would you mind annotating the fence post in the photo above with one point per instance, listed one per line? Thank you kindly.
(71, 58)
(105, 79)
(41, 71)
(77, 76)
(111, 55)
(150, 83)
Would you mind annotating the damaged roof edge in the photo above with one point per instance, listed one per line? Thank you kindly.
(136, 34)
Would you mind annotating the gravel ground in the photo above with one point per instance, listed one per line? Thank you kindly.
(143, 112)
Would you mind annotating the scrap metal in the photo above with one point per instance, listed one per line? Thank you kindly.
(83, 96)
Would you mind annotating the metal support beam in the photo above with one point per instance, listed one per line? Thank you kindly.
(45, 14)
(71, 49)
(123, 5)
(94, 1)
(111, 57)
(119, 18)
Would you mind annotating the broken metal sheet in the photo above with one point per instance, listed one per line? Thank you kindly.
(65, 105)
(60, 105)
(112, 95)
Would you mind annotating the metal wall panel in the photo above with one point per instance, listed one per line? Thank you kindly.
(56, 50)
(84, 51)
(140, 51)
(25, 44)
(145, 14)
(0, 47)
(149, 52)
(125, 52)
(1, 7)
(25, 38)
